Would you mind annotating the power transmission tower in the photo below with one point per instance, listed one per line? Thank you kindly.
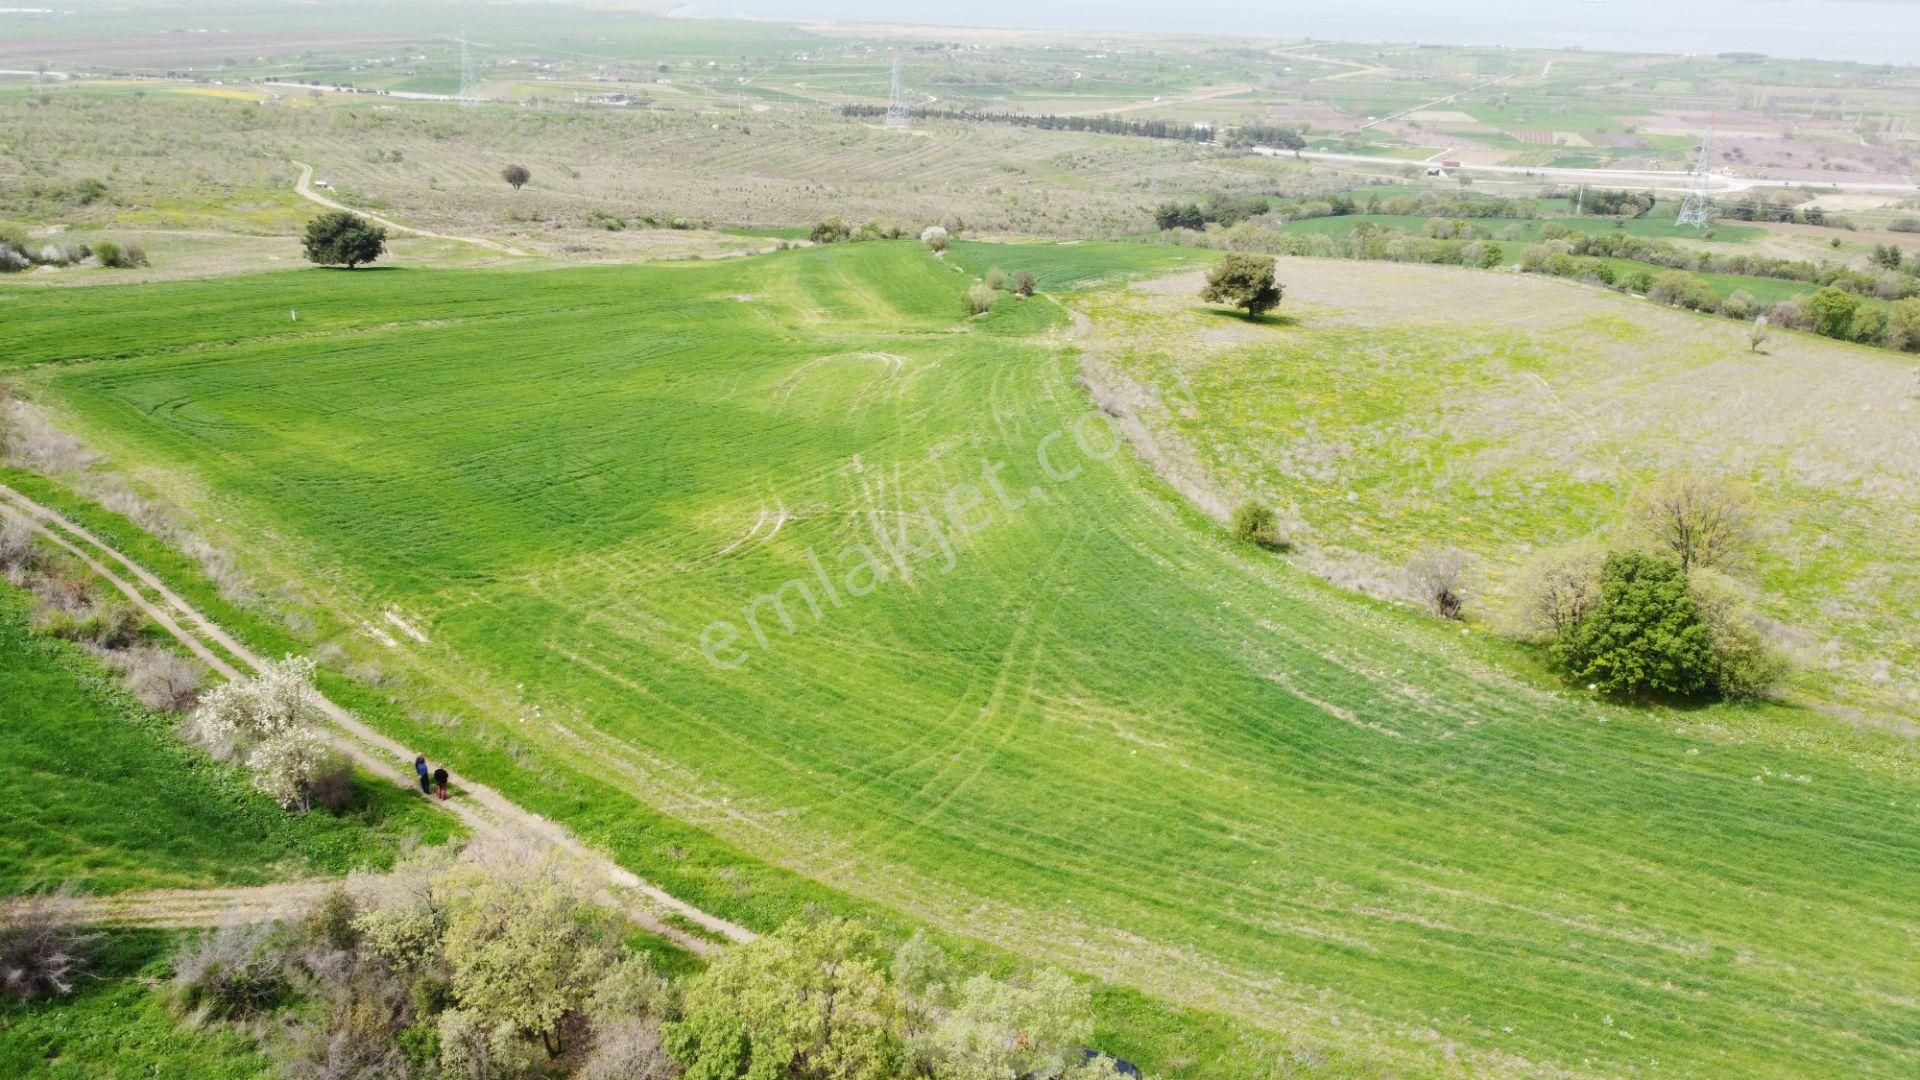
(469, 82)
(1698, 206)
(898, 115)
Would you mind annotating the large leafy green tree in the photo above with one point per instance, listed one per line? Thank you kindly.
(808, 1002)
(1176, 215)
(1243, 281)
(524, 948)
(1903, 325)
(1645, 636)
(344, 238)
(1833, 310)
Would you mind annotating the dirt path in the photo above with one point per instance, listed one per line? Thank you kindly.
(183, 909)
(1448, 100)
(303, 186)
(1184, 99)
(485, 812)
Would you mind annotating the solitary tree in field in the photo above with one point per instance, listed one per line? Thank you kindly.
(517, 175)
(342, 237)
(272, 723)
(1243, 281)
(1257, 523)
(1439, 578)
(1757, 334)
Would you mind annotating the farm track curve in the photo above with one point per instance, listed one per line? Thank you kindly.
(303, 186)
(485, 812)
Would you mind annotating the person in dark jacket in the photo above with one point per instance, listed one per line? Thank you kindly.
(420, 766)
(440, 779)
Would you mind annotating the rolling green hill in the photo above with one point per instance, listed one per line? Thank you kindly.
(1405, 407)
(1020, 691)
(96, 791)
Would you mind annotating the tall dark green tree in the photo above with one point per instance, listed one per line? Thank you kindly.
(343, 238)
(1244, 281)
(1645, 636)
(1833, 311)
(1176, 215)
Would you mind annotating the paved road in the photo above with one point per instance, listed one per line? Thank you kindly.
(1657, 179)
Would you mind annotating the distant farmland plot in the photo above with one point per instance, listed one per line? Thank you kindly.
(1098, 734)
(1502, 416)
(1077, 266)
(1528, 230)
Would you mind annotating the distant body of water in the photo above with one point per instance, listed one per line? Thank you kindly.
(1869, 31)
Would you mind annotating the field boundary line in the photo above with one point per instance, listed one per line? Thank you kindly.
(484, 811)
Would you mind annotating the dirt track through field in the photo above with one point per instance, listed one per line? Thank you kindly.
(303, 186)
(183, 909)
(486, 813)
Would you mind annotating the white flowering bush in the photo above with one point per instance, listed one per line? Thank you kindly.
(271, 724)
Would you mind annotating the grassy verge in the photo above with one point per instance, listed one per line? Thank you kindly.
(96, 790)
(115, 1025)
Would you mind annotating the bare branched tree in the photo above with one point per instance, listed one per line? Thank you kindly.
(1699, 520)
(1439, 578)
(161, 678)
(1558, 589)
(41, 951)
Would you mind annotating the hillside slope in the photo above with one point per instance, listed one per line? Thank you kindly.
(1408, 406)
(1059, 712)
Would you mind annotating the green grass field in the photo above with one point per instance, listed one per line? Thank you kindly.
(1504, 416)
(1061, 714)
(96, 791)
(114, 1026)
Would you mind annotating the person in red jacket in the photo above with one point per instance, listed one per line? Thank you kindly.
(440, 780)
